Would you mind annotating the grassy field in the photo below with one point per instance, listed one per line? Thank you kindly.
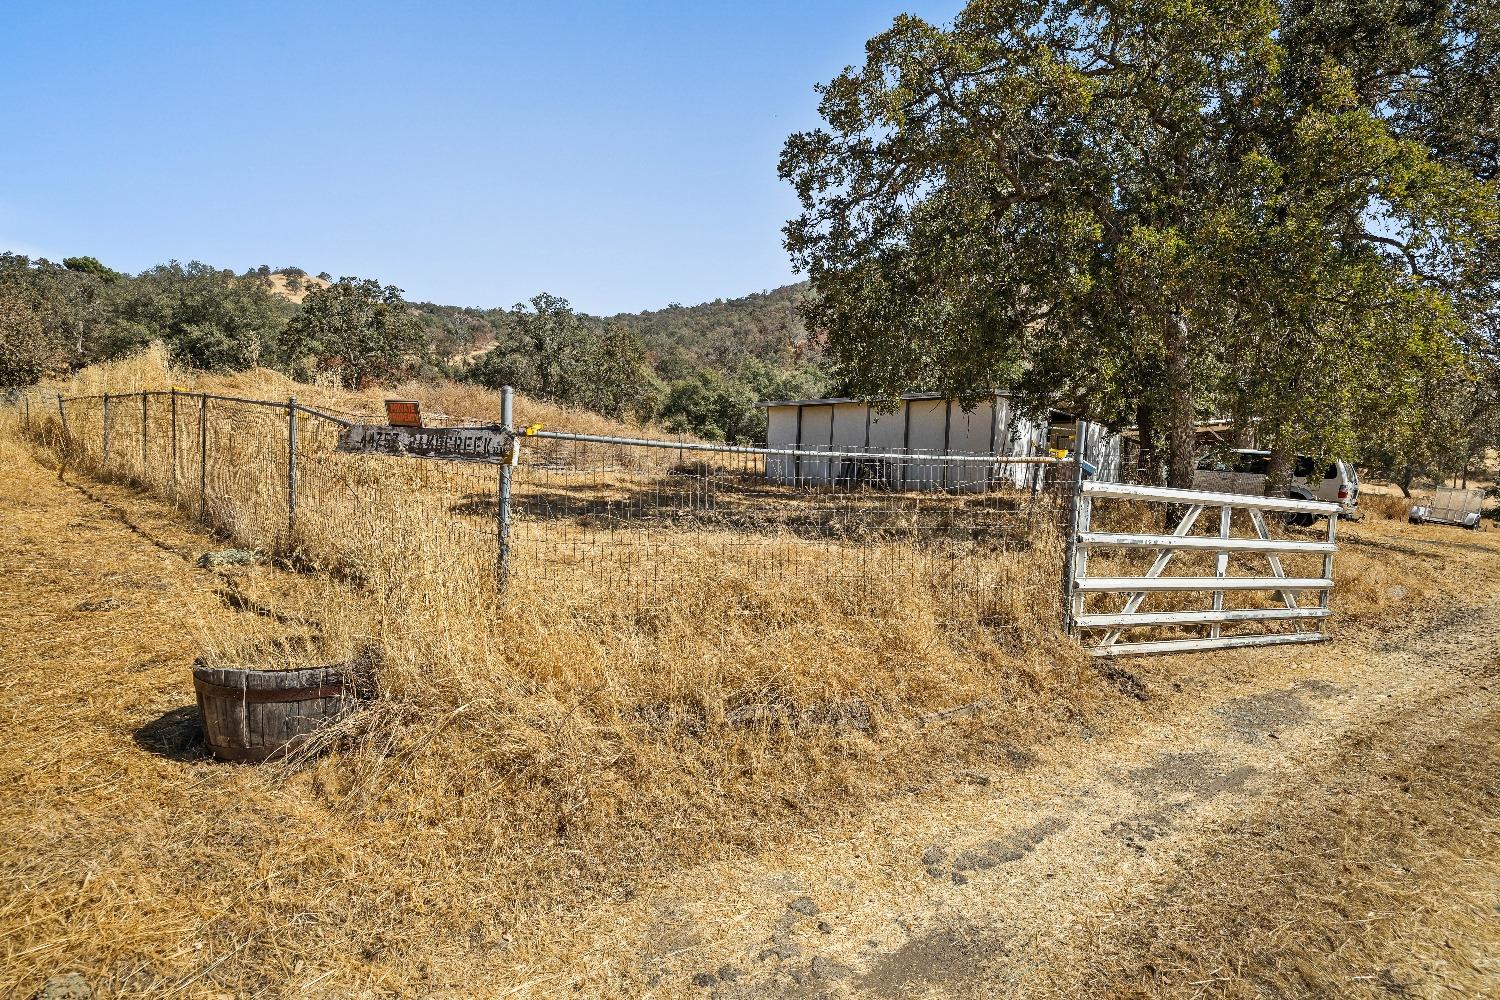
(535, 763)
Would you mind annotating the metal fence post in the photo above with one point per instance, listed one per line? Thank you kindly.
(1074, 556)
(291, 469)
(203, 458)
(144, 466)
(106, 430)
(1325, 595)
(502, 527)
(174, 444)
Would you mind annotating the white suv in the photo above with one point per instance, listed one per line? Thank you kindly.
(1244, 471)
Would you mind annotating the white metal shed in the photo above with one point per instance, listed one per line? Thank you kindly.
(915, 439)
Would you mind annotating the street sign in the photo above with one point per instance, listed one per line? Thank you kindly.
(452, 444)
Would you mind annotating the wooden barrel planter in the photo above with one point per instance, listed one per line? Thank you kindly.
(253, 715)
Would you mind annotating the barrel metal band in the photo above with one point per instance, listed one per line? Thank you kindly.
(259, 695)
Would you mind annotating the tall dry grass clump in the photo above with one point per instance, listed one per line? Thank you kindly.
(684, 656)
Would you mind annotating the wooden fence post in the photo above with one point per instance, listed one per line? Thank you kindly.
(106, 430)
(144, 465)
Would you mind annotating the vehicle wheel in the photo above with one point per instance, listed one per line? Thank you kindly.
(1301, 520)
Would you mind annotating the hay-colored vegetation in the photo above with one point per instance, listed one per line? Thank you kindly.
(528, 755)
(594, 724)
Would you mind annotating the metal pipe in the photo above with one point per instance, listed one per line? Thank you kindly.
(203, 458)
(322, 415)
(291, 471)
(795, 452)
(502, 508)
(1177, 584)
(1122, 491)
(1143, 619)
(1075, 559)
(1195, 645)
(174, 445)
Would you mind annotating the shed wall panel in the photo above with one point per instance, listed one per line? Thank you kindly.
(817, 428)
(850, 422)
(969, 434)
(929, 418)
(781, 432)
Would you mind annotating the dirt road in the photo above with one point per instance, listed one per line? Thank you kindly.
(1318, 821)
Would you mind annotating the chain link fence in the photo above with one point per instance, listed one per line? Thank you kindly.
(601, 526)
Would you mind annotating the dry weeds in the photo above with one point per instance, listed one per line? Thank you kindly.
(527, 757)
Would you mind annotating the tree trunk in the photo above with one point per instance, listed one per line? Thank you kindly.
(1147, 460)
(1279, 475)
(1405, 483)
(1182, 437)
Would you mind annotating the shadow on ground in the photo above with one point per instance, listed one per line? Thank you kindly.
(175, 735)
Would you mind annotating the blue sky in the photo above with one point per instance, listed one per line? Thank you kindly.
(620, 155)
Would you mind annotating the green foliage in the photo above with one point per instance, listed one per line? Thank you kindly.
(210, 319)
(91, 265)
(52, 317)
(724, 405)
(548, 350)
(1149, 213)
(727, 333)
(357, 330)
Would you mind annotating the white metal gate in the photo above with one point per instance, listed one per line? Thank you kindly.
(1214, 627)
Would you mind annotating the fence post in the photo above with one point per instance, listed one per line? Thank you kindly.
(106, 430)
(174, 444)
(291, 469)
(1075, 558)
(1323, 597)
(62, 414)
(502, 527)
(26, 411)
(144, 466)
(203, 458)
(1221, 566)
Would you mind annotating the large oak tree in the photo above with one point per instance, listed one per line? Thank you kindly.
(1150, 211)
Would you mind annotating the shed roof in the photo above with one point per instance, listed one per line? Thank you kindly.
(906, 396)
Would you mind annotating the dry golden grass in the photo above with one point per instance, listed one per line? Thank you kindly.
(566, 740)
(1385, 506)
(528, 755)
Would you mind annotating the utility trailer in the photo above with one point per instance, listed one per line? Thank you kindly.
(1450, 506)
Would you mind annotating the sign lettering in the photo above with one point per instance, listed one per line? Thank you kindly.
(453, 444)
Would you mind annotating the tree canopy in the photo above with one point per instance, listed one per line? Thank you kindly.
(357, 330)
(1148, 212)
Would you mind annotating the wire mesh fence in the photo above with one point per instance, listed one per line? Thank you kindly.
(603, 527)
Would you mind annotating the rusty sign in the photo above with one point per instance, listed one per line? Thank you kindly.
(403, 413)
(453, 444)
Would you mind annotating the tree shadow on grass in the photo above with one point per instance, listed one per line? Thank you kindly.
(176, 735)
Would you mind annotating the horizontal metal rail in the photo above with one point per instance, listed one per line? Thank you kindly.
(189, 394)
(1167, 584)
(1199, 645)
(1143, 619)
(805, 453)
(1123, 491)
(1094, 539)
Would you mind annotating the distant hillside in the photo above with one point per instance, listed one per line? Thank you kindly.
(722, 334)
(726, 332)
(294, 287)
